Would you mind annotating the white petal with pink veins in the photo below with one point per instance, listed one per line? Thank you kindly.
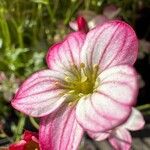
(60, 130)
(120, 139)
(99, 136)
(110, 44)
(67, 53)
(135, 121)
(120, 84)
(99, 113)
(38, 95)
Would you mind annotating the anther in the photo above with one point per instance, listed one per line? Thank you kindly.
(82, 65)
(83, 79)
(57, 83)
(80, 94)
(74, 66)
(95, 66)
(67, 79)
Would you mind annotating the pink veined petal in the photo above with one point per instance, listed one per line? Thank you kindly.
(38, 95)
(111, 11)
(97, 20)
(121, 139)
(120, 84)
(73, 25)
(110, 44)
(67, 53)
(99, 136)
(99, 113)
(60, 130)
(135, 121)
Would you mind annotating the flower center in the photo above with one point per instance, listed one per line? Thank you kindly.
(82, 80)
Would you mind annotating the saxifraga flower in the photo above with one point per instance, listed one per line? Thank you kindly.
(90, 86)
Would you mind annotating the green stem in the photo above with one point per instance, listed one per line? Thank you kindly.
(4, 29)
(55, 7)
(19, 30)
(71, 11)
(34, 123)
(20, 127)
(87, 4)
(143, 107)
(51, 13)
(20, 36)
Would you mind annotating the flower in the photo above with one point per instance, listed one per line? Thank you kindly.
(90, 86)
(120, 137)
(109, 12)
(29, 142)
(79, 25)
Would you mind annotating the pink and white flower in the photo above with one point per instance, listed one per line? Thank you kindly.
(120, 138)
(90, 86)
(79, 25)
(29, 141)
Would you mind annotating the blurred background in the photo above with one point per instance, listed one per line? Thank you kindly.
(28, 28)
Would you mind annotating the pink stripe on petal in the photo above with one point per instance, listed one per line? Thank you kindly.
(110, 44)
(121, 139)
(98, 113)
(88, 118)
(62, 55)
(120, 84)
(135, 121)
(40, 76)
(60, 130)
(99, 136)
(38, 95)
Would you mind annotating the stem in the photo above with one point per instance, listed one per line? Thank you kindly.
(51, 14)
(143, 107)
(34, 123)
(71, 11)
(87, 4)
(19, 31)
(55, 7)
(20, 36)
(20, 127)
(5, 29)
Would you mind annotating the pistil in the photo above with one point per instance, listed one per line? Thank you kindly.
(82, 81)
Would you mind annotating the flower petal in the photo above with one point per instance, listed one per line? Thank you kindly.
(121, 139)
(18, 146)
(107, 113)
(135, 121)
(120, 84)
(73, 25)
(39, 95)
(28, 136)
(60, 130)
(110, 44)
(67, 53)
(99, 136)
